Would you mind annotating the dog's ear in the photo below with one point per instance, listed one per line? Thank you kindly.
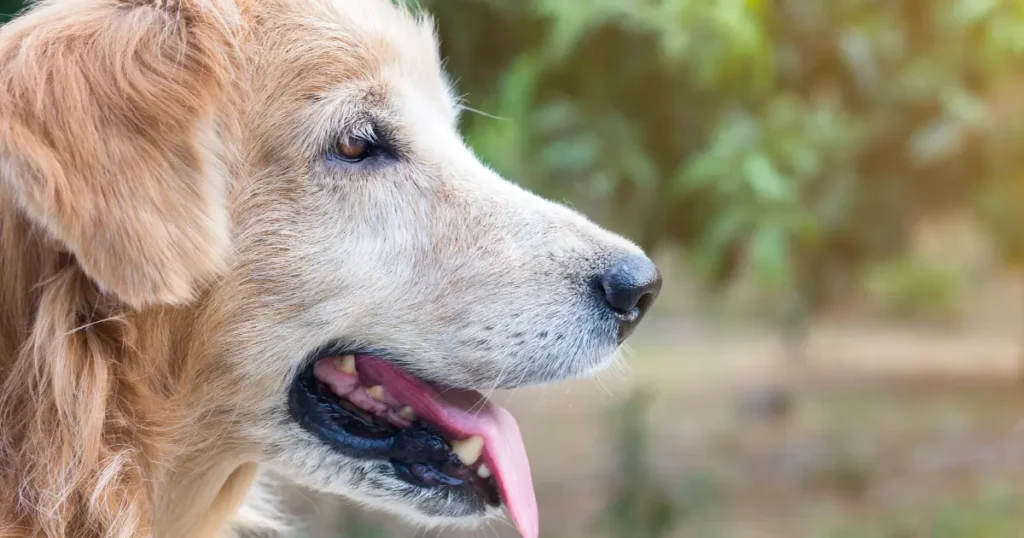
(112, 125)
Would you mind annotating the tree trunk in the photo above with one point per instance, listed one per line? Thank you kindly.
(795, 329)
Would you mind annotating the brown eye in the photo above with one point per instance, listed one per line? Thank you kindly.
(353, 149)
(356, 149)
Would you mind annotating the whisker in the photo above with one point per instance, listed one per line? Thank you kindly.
(482, 113)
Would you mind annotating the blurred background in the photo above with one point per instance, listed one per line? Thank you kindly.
(835, 193)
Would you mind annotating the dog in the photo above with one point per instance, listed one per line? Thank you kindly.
(242, 237)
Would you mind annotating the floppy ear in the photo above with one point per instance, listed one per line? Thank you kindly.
(112, 117)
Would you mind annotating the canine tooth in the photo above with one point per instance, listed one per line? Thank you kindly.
(483, 472)
(407, 413)
(398, 421)
(469, 450)
(346, 364)
(376, 392)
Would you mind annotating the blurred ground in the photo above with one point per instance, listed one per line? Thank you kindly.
(894, 431)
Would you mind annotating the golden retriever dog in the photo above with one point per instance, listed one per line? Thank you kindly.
(241, 237)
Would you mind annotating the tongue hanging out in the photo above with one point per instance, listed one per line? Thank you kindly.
(482, 434)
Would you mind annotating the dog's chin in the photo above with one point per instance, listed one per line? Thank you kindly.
(422, 507)
(376, 485)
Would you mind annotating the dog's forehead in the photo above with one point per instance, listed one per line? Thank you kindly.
(325, 44)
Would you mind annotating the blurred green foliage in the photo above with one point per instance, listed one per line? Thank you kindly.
(1002, 209)
(908, 288)
(783, 136)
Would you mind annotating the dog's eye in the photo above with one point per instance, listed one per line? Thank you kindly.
(353, 149)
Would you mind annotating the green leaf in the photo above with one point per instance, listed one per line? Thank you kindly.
(765, 180)
(573, 154)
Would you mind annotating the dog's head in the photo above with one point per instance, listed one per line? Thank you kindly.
(287, 179)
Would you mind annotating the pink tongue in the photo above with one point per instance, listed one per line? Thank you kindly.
(461, 414)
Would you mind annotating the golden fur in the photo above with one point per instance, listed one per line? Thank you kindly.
(171, 248)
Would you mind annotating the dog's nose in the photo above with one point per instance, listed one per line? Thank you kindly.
(630, 287)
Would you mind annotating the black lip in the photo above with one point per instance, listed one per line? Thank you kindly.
(419, 455)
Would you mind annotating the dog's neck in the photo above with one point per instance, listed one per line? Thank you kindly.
(97, 423)
(199, 504)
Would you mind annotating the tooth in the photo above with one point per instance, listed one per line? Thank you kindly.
(376, 392)
(398, 421)
(469, 450)
(346, 364)
(407, 413)
(483, 472)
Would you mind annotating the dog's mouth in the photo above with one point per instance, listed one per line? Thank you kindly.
(435, 438)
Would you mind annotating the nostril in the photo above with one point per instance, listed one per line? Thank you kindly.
(645, 302)
(630, 287)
